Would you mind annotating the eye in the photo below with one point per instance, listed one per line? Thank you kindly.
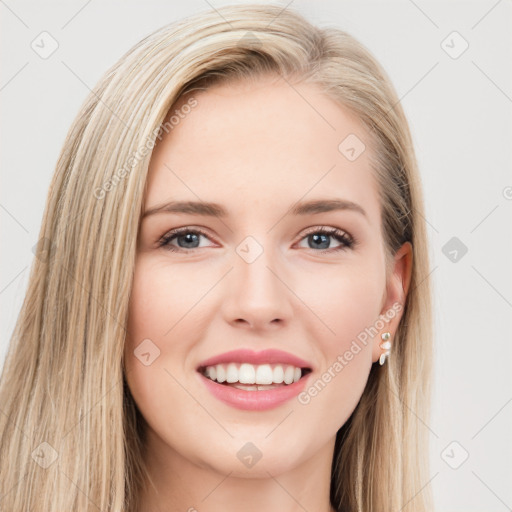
(318, 238)
(186, 238)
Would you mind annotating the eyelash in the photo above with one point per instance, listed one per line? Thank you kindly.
(346, 240)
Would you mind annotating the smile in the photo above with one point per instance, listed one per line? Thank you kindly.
(254, 377)
(272, 385)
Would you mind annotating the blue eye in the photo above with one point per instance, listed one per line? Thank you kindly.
(318, 239)
(188, 237)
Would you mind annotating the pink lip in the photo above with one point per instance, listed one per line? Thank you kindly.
(254, 400)
(269, 356)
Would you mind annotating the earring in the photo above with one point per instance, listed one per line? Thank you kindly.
(385, 345)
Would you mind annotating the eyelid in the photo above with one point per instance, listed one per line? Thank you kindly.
(328, 229)
(184, 229)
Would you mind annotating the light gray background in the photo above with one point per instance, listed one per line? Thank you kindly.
(459, 111)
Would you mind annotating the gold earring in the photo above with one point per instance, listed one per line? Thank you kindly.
(385, 345)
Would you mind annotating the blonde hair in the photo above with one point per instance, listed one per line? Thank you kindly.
(63, 380)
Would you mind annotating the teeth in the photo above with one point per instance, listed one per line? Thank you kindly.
(255, 387)
(231, 373)
(245, 373)
(278, 374)
(264, 373)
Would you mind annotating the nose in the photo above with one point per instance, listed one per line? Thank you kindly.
(256, 295)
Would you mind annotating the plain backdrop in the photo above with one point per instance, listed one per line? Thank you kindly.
(451, 65)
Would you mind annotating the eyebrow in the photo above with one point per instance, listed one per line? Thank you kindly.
(217, 210)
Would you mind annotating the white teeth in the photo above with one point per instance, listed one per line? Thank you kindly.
(211, 373)
(278, 374)
(221, 373)
(232, 373)
(255, 387)
(245, 373)
(264, 374)
(289, 374)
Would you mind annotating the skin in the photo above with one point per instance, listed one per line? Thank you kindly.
(256, 148)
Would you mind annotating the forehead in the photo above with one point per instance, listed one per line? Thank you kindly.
(262, 143)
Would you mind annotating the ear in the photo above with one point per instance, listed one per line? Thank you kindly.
(397, 287)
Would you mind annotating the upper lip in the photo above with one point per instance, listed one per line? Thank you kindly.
(269, 356)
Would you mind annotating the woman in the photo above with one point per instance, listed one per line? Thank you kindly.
(230, 307)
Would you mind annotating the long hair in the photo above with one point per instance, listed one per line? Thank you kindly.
(71, 436)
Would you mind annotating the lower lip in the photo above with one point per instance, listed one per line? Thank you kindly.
(254, 400)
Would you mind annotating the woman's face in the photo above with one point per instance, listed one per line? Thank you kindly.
(258, 277)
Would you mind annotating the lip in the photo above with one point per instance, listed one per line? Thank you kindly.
(270, 356)
(254, 400)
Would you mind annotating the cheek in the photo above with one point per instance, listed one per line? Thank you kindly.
(151, 359)
(358, 310)
(160, 297)
(348, 300)
(161, 318)
(350, 307)
(151, 314)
